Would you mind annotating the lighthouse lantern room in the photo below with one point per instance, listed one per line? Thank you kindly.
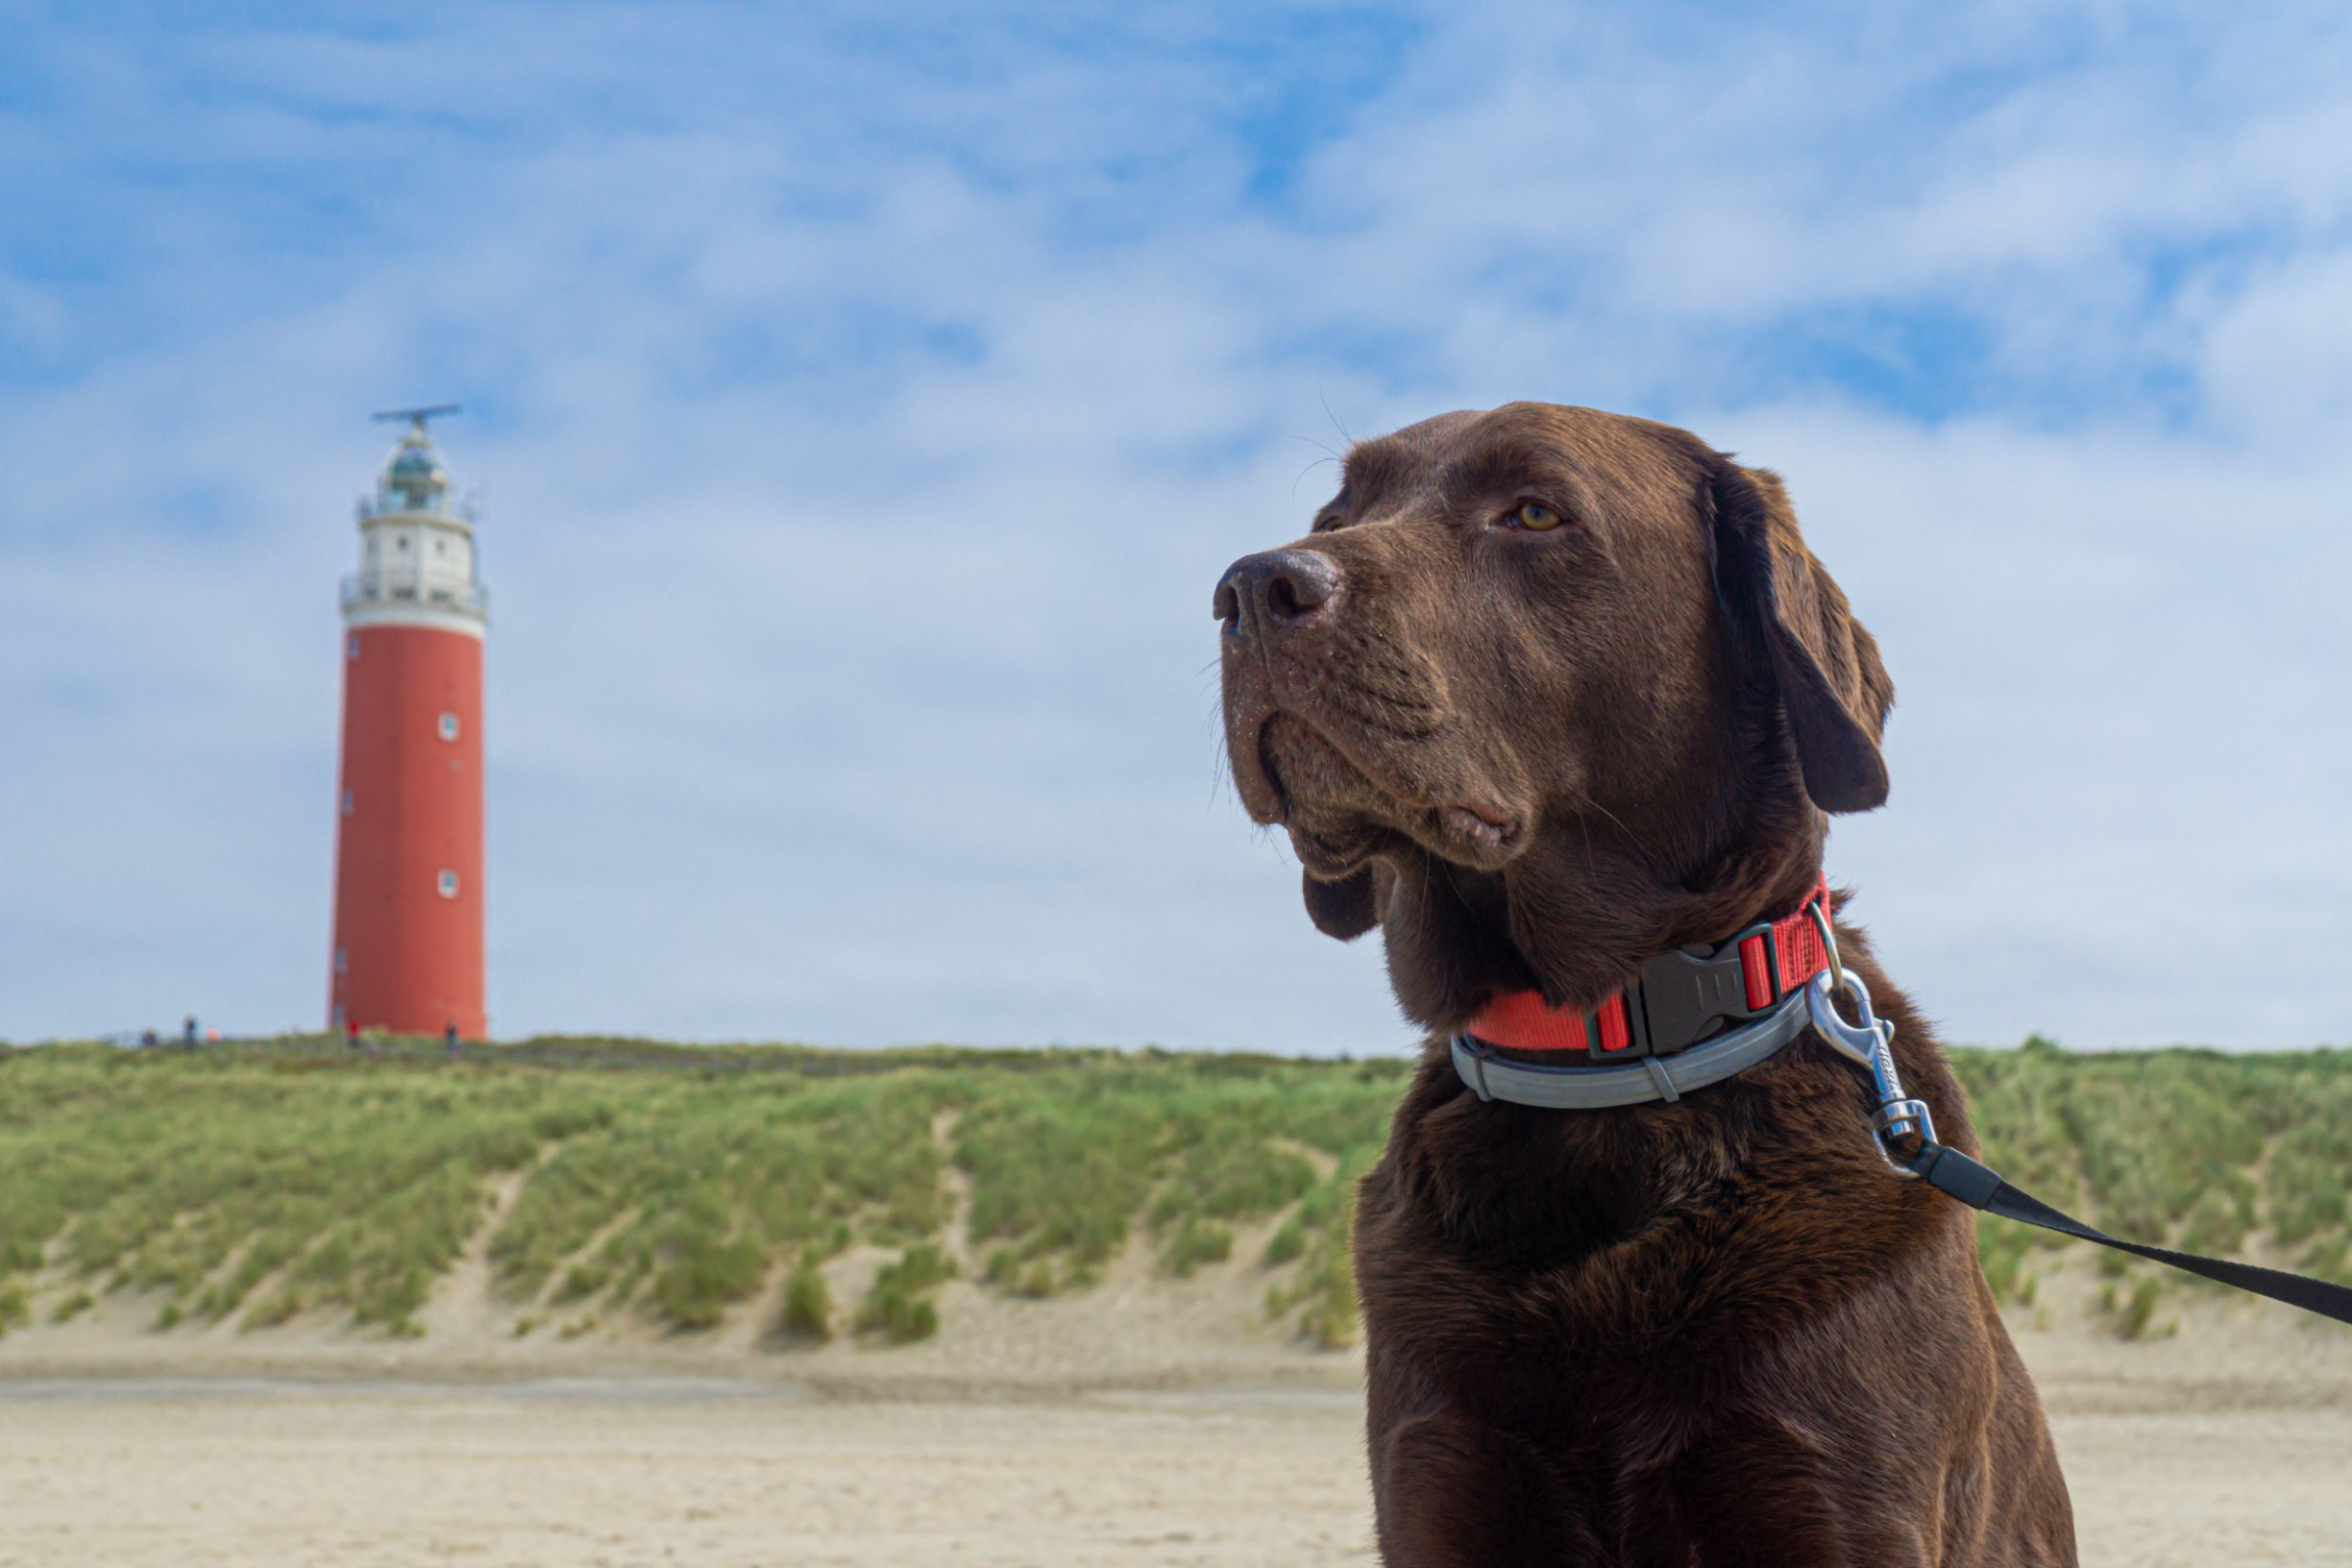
(408, 844)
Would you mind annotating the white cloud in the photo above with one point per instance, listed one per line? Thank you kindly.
(862, 424)
(2115, 766)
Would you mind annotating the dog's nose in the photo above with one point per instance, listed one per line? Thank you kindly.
(1275, 592)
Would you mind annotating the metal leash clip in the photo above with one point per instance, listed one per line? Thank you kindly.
(1868, 1043)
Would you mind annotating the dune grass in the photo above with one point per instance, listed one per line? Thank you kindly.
(263, 1181)
(2229, 1154)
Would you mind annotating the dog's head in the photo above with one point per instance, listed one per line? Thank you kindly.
(1544, 690)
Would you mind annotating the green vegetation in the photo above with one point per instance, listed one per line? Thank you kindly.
(899, 1304)
(261, 1182)
(2222, 1154)
(808, 1301)
(1323, 1291)
(617, 1179)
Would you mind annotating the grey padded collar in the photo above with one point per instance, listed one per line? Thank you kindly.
(1492, 1077)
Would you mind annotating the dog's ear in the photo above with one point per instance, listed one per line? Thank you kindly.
(1345, 909)
(1799, 640)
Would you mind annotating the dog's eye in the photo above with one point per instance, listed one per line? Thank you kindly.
(1535, 515)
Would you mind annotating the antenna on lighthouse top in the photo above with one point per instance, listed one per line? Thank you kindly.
(416, 417)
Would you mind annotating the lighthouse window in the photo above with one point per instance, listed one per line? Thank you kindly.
(448, 884)
(342, 960)
(351, 646)
(448, 726)
(400, 541)
(347, 803)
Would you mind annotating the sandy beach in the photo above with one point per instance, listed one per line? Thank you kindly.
(606, 1474)
(1146, 1422)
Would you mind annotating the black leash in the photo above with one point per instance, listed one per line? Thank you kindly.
(1981, 1187)
(1867, 1044)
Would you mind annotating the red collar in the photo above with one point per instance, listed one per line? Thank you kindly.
(1678, 997)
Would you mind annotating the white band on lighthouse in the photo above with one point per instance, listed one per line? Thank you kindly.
(393, 613)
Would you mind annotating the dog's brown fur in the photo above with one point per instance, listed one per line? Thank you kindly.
(1715, 1332)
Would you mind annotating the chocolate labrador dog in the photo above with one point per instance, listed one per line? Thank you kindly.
(1554, 698)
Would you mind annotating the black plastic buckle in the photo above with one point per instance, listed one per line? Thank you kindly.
(1681, 994)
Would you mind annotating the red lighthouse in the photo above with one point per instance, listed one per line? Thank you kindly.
(408, 846)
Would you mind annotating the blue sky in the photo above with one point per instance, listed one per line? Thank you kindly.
(863, 403)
